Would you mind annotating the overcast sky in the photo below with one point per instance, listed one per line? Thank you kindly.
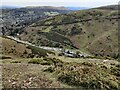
(72, 3)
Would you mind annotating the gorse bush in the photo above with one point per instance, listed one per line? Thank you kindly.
(52, 60)
(49, 69)
(45, 61)
(16, 62)
(6, 57)
(87, 75)
(35, 61)
(116, 70)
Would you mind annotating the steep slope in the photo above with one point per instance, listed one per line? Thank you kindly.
(14, 49)
(93, 30)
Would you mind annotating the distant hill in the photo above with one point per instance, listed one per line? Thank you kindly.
(91, 30)
(110, 7)
(9, 7)
(16, 19)
(48, 7)
(77, 8)
(45, 7)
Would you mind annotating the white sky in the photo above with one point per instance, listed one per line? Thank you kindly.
(73, 3)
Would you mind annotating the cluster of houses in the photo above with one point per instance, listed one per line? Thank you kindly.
(74, 54)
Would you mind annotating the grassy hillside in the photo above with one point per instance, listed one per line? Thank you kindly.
(57, 73)
(13, 49)
(93, 30)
